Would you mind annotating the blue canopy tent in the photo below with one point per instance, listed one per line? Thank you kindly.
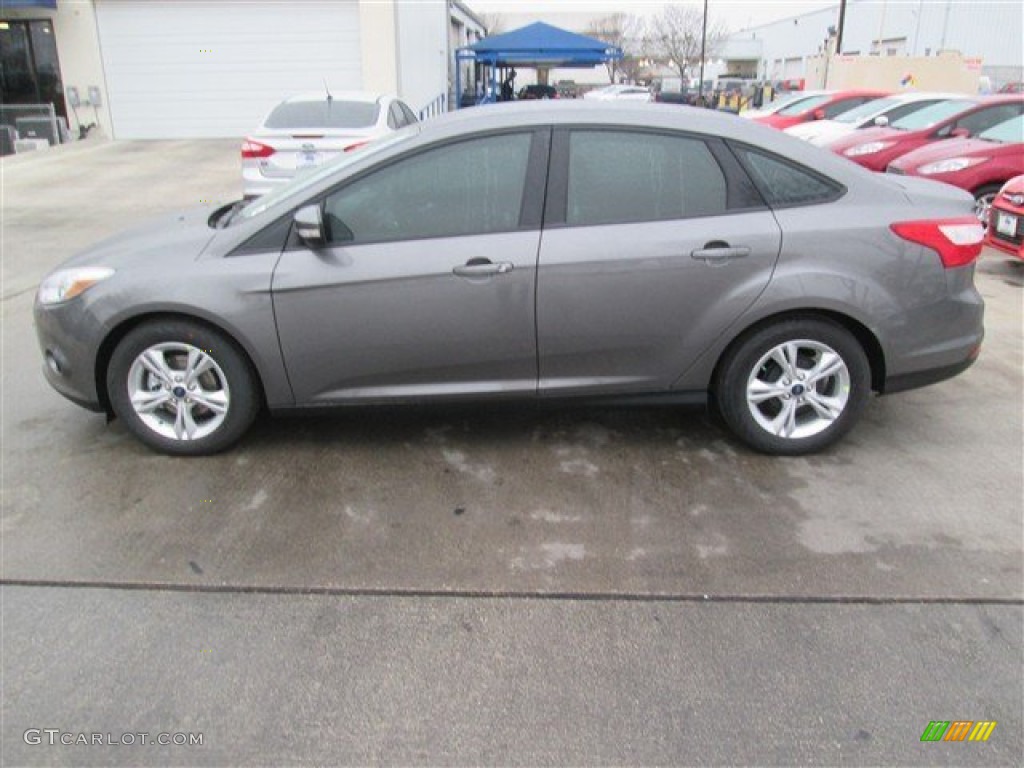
(537, 45)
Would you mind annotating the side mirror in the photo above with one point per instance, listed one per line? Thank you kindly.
(819, 114)
(882, 121)
(960, 133)
(309, 226)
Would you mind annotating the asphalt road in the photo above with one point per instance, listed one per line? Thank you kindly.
(499, 585)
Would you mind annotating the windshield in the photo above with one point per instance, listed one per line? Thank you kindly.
(786, 101)
(323, 114)
(866, 110)
(1010, 132)
(304, 181)
(929, 116)
(799, 107)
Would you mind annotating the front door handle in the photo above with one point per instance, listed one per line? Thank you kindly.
(483, 268)
(719, 252)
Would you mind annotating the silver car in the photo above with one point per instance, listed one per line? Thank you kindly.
(622, 253)
(314, 128)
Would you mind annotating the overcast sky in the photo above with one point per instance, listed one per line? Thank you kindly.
(737, 14)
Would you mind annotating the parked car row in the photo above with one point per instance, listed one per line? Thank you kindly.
(975, 143)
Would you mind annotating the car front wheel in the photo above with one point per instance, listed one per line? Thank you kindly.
(794, 387)
(182, 388)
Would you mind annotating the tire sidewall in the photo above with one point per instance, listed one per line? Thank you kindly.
(244, 403)
(731, 386)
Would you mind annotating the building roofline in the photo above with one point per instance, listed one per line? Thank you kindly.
(463, 8)
(780, 21)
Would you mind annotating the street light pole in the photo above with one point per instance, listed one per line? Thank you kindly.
(703, 43)
(842, 23)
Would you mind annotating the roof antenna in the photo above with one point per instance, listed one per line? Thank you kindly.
(327, 88)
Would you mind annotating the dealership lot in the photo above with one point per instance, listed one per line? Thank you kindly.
(502, 584)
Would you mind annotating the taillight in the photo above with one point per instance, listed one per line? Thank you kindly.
(357, 145)
(957, 241)
(253, 149)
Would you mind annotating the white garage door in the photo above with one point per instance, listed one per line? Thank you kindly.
(793, 69)
(182, 69)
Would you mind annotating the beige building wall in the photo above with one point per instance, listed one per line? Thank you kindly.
(78, 50)
(948, 72)
(378, 37)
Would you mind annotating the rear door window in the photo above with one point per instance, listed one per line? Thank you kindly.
(623, 176)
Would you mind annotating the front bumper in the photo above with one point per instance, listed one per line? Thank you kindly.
(69, 339)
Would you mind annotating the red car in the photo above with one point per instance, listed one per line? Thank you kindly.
(875, 148)
(980, 165)
(824, 106)
(1006, 219)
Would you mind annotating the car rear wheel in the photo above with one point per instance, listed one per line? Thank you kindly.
(983, 199)
(793, 387)
(182, 388)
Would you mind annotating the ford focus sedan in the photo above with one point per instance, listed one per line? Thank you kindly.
(618, 253)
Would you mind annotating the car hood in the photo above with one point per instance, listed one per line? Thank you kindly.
(948, 148)
(820, 130)
(1014, 186)
(864, 135)
(179, 237)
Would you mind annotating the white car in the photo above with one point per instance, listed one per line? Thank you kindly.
(307, 130)
(879, 112)
(780, 103)
(619, 92)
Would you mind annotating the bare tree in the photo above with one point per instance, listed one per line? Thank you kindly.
(675, 35)
(623, 31)
(494, 23)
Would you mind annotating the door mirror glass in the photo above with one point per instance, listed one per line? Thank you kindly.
(882, 121)
(309, 226)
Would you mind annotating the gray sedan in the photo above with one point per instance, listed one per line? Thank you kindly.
(622, 253)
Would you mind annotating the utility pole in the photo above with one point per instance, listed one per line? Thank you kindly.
(703, 43)
(842, 22)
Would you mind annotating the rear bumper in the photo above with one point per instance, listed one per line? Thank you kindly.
(255, 184)
(903, 382)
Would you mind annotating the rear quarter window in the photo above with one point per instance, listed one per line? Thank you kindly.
(783, 183)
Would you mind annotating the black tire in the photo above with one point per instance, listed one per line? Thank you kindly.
(231, 378)
(745, 358)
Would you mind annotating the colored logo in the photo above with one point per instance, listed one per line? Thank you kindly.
(958, 730)
(908, 79)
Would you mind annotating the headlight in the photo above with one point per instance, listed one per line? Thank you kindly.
(65, 284)
(868, 149)
(950, 166)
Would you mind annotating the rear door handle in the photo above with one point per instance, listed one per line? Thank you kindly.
(483, 268)
(718, 252)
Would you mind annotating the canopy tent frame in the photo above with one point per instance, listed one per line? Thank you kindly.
(535, 46)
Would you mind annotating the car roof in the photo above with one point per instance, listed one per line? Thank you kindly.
(924, 95)
(630, 115)
(1002, 98)
(360, 96)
